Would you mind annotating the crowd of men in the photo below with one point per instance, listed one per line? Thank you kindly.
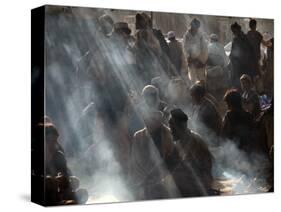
(165, 104)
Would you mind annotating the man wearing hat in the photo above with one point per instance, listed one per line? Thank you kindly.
(121, 40)
(196, 51)
(121, 32)
(122, 27)
(177, 57)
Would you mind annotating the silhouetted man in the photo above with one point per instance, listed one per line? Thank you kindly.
(256, 39)
(205, 112)
(237, 123)
(192, 168)
(196, 51)
(241, 56)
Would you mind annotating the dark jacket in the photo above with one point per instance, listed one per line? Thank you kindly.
(241, 58)
(238, 126)
(208, 115)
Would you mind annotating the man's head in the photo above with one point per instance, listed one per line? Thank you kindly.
(246, 82)
(178, 123)
(194, 26)
(106, 24)
(233, 99)
(176, 89)
(51, 138)
(197, 92)
(143, 21)
(171, 35)
(253, 24)
(151, 96)
(214, 38)
(235, 28)
(122, 28)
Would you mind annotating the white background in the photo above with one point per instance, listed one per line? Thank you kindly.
(15, 104)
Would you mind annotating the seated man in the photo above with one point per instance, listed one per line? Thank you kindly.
(151, 97)
(206, 114)
(149, 102)
(238, 124)
(151, 148)
(61, 187)
(192, 160)
(56, 163)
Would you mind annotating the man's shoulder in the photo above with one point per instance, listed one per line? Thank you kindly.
(199, 34)
(187, 35)
(196, 136)
(252, 34)
(166, 129)
(197, 140)
(229, 113)
(235, 114)
(179, 44)
(174, 43)
(140, 133)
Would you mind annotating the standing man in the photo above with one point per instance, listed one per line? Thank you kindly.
(196, 50)
(105, 25)
(177, 58)
(256, 39)
(241, 56)
(216, 52)
(147, 50)
(216, 70)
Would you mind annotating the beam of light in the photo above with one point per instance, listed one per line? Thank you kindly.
(67, 97)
